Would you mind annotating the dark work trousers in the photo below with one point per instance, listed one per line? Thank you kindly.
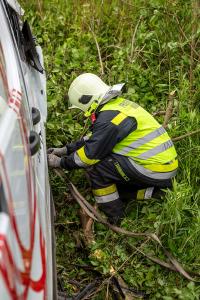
(115, 181)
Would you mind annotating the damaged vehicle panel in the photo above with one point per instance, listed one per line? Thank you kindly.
(27, 266)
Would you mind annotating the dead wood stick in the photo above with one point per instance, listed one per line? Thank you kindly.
(128, 295)
(98, 49)
(65, 223)
(87, 223)
(178, 138)
(159, 113)
(169, 110)
(162, 263)
(157, 260)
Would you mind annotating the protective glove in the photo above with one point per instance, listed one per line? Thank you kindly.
(58, 151)
(53, 161)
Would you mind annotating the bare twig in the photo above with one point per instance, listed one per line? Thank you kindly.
(178, 138)
(113, 46)
(156, 260)
(168, 116)
(169, 110)
(107, 290)
(138, 51)
(184, 35)
(65, 223)
(98, 49)
(159, 113)
(133, 38)
(121, 282)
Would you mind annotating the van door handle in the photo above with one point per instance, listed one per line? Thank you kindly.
(34, 142)
(36, 116)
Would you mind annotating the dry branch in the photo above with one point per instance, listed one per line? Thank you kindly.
(87, 224)
(98, 49)
(159, 113)
(128, 295)
(184, 35)
(178, 138)
(169, 110)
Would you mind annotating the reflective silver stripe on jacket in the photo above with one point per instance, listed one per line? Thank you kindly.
(143, 140)
(152, 174)
(149, 192)
(158, 149)
(79, 162)
(107, 198)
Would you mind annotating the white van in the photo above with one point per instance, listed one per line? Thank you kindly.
(27, 266)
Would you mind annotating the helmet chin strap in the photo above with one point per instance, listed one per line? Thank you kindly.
(91, 109)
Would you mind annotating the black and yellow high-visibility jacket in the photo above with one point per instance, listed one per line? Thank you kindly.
(125, 128)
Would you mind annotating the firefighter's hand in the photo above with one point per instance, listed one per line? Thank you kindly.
(57, 151)
(53, 161)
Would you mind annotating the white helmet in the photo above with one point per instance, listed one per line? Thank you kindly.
(88, 88)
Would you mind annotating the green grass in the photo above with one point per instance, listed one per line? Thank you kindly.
(158, 57)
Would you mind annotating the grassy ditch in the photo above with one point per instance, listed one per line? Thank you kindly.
(154, 47)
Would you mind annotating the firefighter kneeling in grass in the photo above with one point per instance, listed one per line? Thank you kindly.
(129, 154)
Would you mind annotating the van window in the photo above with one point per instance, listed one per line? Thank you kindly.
(3, 206)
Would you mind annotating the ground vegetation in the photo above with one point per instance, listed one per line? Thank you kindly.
(153, 46)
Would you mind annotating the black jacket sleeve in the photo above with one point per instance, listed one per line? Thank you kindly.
(105, 135)
(72, 147)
